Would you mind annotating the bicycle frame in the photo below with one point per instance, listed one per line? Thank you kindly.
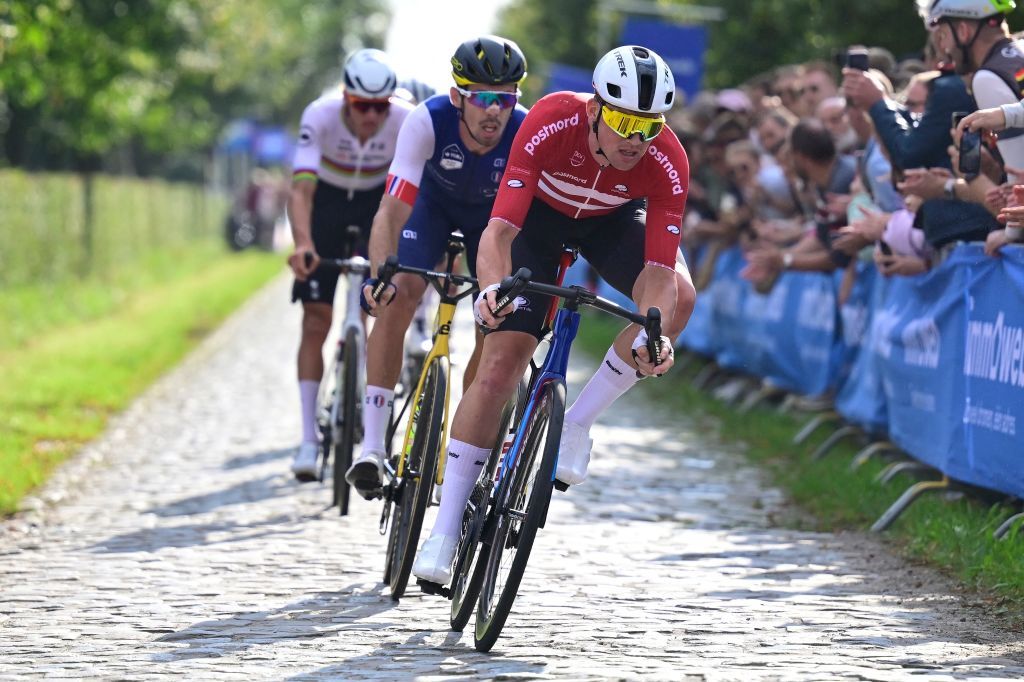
(556, 364)
(352, 321)
(439, 350)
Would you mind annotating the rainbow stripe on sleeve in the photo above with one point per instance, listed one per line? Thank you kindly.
(403, 190)
(303, 174)
(351, 171)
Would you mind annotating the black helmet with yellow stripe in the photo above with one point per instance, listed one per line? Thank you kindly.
(488, 60)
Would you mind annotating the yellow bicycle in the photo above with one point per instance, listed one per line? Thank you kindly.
(411, 473)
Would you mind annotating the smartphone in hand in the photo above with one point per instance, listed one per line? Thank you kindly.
(884, 247)
(970, 153)
(857, 57)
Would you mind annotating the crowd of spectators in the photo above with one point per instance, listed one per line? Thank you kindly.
(813, 166)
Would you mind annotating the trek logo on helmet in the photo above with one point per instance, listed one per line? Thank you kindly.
(622, 64)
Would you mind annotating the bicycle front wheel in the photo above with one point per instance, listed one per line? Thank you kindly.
(468, 572)
(345, 423)
(519, 508)
(414, 488)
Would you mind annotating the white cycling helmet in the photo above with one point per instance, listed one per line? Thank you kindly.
(636, 79)
(934, 11)
(368, 74)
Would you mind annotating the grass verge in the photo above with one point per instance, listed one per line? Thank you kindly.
(80, 352)
(952, 532)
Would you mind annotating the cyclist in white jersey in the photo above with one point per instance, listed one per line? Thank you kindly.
(345, 147)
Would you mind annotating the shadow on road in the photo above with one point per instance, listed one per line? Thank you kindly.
(321, 615)
(262, 457)
(190, 535)
(416, 656)
(253, 490)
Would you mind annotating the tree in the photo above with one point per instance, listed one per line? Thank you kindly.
(755, 36)
(84, 80)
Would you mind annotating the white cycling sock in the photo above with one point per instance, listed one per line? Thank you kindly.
(376, 412)
(460, 473)
(613, 378)
(307, 397)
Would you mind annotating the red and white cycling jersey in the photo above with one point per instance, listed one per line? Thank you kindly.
(551, 160)
(329, 151)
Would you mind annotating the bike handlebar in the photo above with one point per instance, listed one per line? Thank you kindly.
(356, 264)
(518, 283)
(391, 267)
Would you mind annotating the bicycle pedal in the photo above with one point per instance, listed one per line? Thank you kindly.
(561, 486)
(428, 587)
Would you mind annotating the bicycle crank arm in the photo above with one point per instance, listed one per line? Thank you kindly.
(385, 516)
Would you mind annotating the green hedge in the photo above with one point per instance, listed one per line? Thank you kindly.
(55, 227)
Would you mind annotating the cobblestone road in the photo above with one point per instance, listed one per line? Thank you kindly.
(178, 545)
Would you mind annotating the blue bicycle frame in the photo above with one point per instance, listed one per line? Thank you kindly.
(556, 363)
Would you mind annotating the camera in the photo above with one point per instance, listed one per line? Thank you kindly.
(970, 153)
(857, 57)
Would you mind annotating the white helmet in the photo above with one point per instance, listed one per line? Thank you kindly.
(636, 79)
(934, 11)
(368, 74)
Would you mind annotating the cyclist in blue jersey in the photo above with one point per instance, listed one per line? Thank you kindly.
(451, 155)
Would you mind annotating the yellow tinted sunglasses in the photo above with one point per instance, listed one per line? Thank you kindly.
(626, 125)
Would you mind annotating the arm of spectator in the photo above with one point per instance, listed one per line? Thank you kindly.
(991, 91)
(927, 183)
(860, 89)
(921, 146)
(974, 190)
(994, 119)
(899, 265)
(1013, 216)
(998, 198)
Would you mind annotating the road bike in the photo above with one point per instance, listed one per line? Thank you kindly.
(411, 473)
(339, 399)
(466, 579)
(518, 495)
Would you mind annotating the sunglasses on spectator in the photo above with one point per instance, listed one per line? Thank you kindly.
(380, 106)
(488, 98)
(627, 125)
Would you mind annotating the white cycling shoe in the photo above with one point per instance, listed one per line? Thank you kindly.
(366, 474)
(304, 466)
(434, 560)
(573, 454)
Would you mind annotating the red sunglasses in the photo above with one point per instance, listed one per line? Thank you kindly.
(380, 106)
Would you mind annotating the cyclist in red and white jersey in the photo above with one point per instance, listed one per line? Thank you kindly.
(603, 172)
(345, 147)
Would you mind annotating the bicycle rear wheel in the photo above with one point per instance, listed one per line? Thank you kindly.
(470, 559)
(519, 508)
(345, 423)
(412, 494)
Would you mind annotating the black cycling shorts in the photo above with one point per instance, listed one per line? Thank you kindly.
(613, 244)
(333, 212)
